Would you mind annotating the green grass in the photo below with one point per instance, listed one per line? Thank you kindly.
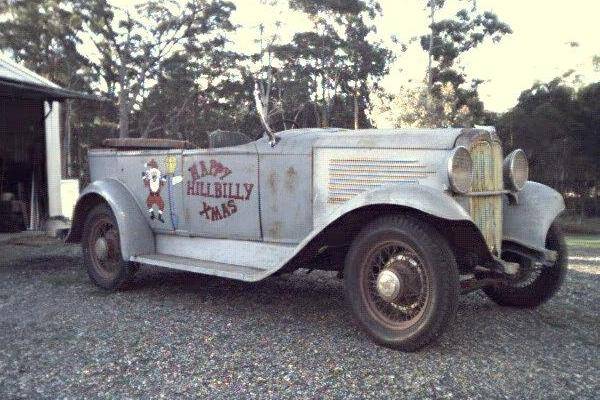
(585, 241)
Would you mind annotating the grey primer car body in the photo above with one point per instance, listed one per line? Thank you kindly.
(248, 211)
(409, 218)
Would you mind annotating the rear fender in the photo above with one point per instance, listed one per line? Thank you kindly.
(135, 234)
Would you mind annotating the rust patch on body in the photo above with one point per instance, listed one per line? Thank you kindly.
(291, 177)
(275, 230)
(273, 181)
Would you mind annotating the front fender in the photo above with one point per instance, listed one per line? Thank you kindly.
(527, 221)
(134, 231)
(432, 201)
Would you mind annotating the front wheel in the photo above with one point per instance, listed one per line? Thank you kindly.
(102, 250)
(401, 281)
(535, 285)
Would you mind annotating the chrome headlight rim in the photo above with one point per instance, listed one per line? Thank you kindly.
(460, 185)
(515, 160)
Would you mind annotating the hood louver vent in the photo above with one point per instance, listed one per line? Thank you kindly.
(349, 177)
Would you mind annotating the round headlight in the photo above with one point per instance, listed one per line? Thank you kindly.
(516, 170)
(460, 170)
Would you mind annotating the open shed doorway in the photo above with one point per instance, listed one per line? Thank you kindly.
(23, 188)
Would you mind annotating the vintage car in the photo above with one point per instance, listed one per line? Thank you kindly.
(410, 218)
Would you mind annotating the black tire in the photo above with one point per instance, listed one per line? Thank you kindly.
(424, 255)
(104, 262)
(538, 289)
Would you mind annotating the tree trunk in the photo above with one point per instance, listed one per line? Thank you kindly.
(123, 103)
(429, 50)
(355, 110)
(430, 62)
(123, 114)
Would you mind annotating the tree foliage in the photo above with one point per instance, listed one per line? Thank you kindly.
(449, 39)
(558, 127)
(331, 69)
(43, 34)
(132, 48)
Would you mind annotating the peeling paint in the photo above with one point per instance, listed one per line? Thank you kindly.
(273, 181)
(275, 230)
(291, 179)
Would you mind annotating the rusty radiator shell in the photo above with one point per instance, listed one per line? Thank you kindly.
(486, 210)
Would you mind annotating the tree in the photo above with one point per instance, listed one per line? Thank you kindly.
(43, 34)
(132, 47)
(331, 67)
(447, 41)
(203, 88)
(555, 125)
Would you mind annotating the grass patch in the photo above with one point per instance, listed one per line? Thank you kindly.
(584, 241)
(574, 226)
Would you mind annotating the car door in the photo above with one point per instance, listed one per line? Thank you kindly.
(220, 190)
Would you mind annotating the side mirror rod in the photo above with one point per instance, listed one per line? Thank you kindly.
(273, 138)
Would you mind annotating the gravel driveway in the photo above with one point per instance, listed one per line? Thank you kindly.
(175, 334)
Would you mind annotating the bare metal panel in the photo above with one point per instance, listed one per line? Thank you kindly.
(301, 141)
(221, 193)
(103, 164)
(527, 222)
(286, 196)
(231, 271)
(161, 199)
(342, 174)
(239, 252)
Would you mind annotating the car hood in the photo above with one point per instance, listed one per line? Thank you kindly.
(304, 140)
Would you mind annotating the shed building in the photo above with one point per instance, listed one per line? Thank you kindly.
(35, 191)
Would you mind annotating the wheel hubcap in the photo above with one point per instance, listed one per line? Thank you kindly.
(396, 284)
(388, 285)
(101, 249)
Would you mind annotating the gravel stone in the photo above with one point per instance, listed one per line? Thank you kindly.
(174, 334)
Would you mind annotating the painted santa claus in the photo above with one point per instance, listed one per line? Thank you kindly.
(154, 181)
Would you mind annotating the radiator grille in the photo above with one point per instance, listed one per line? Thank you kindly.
(349, 177)
(486, 211)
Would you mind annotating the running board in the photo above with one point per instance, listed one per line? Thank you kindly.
(244, 260)
(259, 255)
(239, 272)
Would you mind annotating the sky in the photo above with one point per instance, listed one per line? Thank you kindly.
(538, 50)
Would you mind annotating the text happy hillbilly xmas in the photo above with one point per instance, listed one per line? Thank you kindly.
(229, 191)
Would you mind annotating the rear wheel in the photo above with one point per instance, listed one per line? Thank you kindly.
(535, 285)
(102, 250)
(402, 282)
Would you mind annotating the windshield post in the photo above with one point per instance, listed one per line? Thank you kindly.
(273, 138)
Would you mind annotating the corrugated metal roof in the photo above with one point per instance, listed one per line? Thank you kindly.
(20, 82)
(12, 71)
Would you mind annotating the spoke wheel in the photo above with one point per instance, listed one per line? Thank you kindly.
(534, 285)
(396, 284)
(104, 246)
(401, 281)
(102, 250)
